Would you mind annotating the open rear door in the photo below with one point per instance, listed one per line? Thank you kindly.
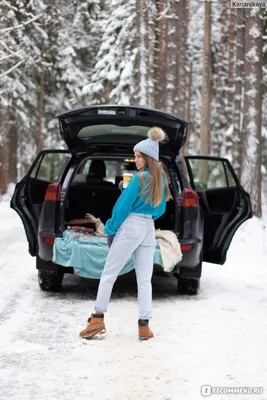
(29, 193)
(225, 203)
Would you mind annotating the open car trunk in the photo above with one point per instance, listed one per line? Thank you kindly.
(99, 199)
(98, 126)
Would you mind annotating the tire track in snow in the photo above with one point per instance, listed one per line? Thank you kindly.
(16, 265)
(219, 336)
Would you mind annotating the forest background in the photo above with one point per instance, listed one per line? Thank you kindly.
(205, 61)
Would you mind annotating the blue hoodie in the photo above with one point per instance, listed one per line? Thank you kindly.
(130, 202)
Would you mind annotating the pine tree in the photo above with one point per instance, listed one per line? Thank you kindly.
(195, 52)
(229, 109)
(206, 86)
(113, 77)
(160, 55)
(264, 100)
(55, 45)
(252, 139)
(18, 55)
(181, 58)
(239, 92)
(146, 69)
(171, 57)
(219, 124)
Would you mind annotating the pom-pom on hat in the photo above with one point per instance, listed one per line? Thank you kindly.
(150, 146)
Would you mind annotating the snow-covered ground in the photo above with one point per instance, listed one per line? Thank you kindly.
(217, 338)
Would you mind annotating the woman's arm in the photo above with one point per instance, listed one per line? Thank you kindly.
(123, 206)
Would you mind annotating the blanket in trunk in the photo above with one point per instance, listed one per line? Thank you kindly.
(88, 255)
(170, 249)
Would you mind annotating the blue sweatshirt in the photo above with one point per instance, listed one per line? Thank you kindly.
(130, 202)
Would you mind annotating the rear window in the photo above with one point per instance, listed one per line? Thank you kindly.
(105, 129)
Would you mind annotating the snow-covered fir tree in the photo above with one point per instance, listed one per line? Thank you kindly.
(64, 54)
(112, 80)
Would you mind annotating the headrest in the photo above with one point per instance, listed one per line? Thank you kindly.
(97, 169)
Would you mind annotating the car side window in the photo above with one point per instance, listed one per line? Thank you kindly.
(231, 181)
(210, 174)
(182, 167)
(49, 167)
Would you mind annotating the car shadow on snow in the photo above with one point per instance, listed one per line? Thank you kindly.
(125, 286)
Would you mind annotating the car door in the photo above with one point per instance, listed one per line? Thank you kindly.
(29, 193)
(225, 203)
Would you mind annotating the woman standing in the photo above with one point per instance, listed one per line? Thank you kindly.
(131, 230)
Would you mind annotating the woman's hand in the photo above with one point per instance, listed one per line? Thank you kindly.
(110, 240)
(121, 186)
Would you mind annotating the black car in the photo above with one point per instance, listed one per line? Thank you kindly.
(208, 204)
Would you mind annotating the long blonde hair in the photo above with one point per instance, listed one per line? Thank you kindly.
(153, 187)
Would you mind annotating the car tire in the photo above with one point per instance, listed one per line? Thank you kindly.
(188, 286)
(50, 281)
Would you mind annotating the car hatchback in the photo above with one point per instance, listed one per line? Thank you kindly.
(207, 207)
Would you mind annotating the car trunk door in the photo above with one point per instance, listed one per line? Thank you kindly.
(30, 192)
(114, 126)
(225, 203)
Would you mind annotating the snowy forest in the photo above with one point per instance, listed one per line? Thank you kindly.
(204, 61)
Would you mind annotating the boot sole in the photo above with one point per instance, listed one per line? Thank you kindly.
(141, 338)
(92, 334)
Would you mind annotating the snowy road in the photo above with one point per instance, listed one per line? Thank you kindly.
(217, 338)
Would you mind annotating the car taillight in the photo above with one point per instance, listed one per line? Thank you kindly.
(190, 198)
(49, 240)
(52, 192)
(186, 247)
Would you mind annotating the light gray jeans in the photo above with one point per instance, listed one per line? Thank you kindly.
(135, 236)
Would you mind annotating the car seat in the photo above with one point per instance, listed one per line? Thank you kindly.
(97, 173)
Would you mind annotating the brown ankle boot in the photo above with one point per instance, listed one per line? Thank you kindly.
(144, 332)
(95, 326)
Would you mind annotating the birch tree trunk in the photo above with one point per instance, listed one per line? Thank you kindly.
(252, 150)
(206, 85)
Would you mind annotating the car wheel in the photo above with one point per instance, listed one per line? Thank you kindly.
(188, 286)
(50, 281)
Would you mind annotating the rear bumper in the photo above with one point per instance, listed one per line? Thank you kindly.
(45, 250)
(191, 258)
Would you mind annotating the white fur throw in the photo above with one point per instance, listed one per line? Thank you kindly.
(170, 249)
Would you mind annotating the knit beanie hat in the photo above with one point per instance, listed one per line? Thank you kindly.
(150, 146)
